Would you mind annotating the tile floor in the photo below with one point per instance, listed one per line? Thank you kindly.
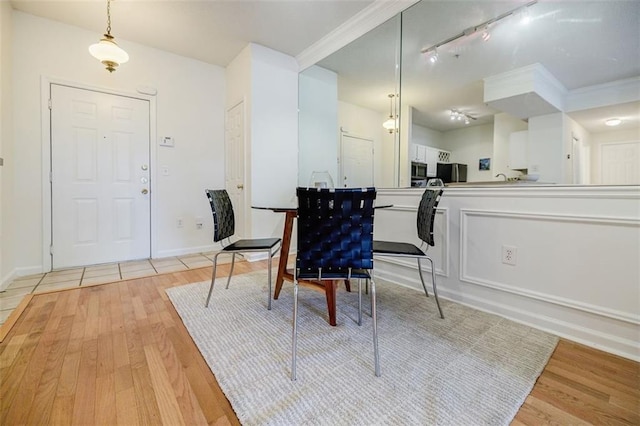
(96, 274)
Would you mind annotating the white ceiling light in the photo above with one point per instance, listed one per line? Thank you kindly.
(613, 122)
(106, 50)
(391, 123)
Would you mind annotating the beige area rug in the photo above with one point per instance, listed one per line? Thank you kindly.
(472, 368)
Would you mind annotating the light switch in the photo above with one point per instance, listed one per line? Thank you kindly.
(167, 141)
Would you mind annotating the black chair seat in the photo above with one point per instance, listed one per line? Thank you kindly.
(253, 244)
(224, 227)
(339, 274)
(396, 248)
(424, 225)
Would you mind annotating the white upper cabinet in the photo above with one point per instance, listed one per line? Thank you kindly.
(418, 153)
(432, 161)
(518, 145)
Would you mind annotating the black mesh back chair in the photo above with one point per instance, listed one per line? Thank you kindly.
(224, 228)
(335, 241)
(426, 217)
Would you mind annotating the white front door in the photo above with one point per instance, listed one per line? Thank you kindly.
(234, 164)
(356, 161)
(99, 177)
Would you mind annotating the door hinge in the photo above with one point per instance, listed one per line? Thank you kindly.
(49, 103)
(50, 177)
(51, 249)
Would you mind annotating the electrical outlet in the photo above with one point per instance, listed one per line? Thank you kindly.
(199, 222)
(509, 255)
(179, 222)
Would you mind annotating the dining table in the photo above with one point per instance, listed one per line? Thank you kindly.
(329, 286)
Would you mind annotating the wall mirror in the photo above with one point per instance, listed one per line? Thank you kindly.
(507, 89)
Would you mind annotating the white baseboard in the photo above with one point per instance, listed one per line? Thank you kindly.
(7, 280)
(185, 251)
(17, 273)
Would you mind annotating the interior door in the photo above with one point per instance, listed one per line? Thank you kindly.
(356, 165)
(620, 163)
(234, 164)
(99, 177)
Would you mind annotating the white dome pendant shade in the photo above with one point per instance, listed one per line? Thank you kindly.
(109, 53)
(106, 50)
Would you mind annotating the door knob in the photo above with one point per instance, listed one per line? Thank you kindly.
(240, 186)
(144, 167)
(145, 191)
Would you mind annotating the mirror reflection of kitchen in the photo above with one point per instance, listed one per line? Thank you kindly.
(492, 98)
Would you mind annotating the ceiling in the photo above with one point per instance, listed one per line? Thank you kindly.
(581, 43)
(213, 31)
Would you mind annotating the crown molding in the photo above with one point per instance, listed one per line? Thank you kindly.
(361, 23)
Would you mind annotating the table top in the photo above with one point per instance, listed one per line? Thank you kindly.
(291, 208)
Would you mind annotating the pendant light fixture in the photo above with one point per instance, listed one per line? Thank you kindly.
(392, 122)
(106, 50)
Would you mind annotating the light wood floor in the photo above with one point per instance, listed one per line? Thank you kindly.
(119, 354)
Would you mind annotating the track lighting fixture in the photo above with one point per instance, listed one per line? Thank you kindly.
(456, 115)
(483, 28)
(486, 35)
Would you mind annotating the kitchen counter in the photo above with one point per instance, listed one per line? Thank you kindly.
(498, 183)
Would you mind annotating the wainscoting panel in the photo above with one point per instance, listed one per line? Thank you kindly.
(550, 255)
(576, 251)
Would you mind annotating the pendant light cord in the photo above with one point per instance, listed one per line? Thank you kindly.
(108, 17)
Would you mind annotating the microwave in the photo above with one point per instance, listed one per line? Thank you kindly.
(418, 170)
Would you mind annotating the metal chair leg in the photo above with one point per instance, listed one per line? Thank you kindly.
(435, 290)
(359, 301)
(233, 261)
(294, 337)
(376, 356)
(269, 292)
(213, 278)
(421, 277)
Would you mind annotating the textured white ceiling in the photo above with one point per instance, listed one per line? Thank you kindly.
(581, 42)
(213, 31)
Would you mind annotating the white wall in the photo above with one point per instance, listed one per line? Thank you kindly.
(267, 81)
(503, 125)
(318, 124)
(468, 145)
(546, 147)
(274, 130)
(577, 249)
(7, 235)
(190, 107)
(424, 136)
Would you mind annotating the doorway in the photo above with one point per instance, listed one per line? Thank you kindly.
(235, 164)
(100, 177)
(356, 162)
(619, 163)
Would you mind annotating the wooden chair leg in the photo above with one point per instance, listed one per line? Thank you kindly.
(330, 291)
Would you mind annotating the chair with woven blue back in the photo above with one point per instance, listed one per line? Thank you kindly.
(224, 229)
(425, 223)
(335, 241)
